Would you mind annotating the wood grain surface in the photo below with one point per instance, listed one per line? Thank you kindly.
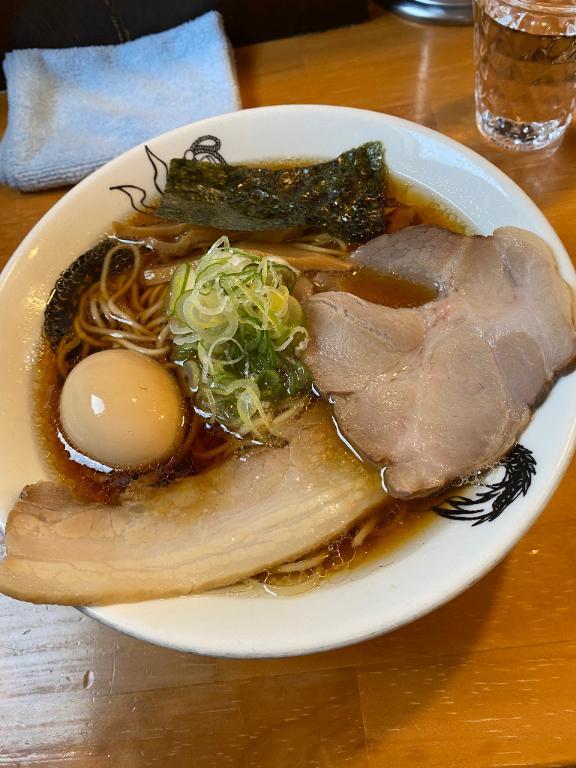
(487, 680)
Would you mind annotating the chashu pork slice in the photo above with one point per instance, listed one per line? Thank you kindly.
(440, 391)
(210, 530)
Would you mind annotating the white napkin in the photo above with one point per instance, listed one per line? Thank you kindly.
(71, 110)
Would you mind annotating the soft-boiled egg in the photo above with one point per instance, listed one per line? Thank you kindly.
(123, 409)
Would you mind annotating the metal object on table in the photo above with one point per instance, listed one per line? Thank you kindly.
(434, 11)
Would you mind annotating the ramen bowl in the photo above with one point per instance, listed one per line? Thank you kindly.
(439, 560)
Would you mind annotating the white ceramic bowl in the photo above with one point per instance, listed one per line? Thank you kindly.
(433, 566)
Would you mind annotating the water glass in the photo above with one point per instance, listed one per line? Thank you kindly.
(525, 55)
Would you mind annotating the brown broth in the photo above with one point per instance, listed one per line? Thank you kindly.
(398, 522)
(382, 289)
(426, 209)
(368, 284)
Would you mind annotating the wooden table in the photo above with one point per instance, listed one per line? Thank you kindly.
(488, 680)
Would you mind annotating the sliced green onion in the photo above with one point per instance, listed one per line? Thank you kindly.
(177, 286)
(239, 330)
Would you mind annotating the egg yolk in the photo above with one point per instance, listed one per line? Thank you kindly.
(122, 409)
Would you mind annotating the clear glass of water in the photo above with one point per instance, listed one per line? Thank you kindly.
(525, 55)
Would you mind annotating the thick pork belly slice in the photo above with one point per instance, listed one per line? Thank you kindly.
(252, 513)
(443, 390)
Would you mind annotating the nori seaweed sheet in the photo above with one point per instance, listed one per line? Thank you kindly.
(345, 196)
(83, 272)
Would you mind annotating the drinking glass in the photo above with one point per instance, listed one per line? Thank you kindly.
(525, 55)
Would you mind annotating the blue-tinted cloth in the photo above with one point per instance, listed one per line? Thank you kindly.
(71, 110)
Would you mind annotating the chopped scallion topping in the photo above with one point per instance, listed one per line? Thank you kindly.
(238, 331)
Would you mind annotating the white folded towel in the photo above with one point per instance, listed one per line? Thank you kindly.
(71, 110)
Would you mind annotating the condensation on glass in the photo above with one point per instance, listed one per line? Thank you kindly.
(525, 71)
